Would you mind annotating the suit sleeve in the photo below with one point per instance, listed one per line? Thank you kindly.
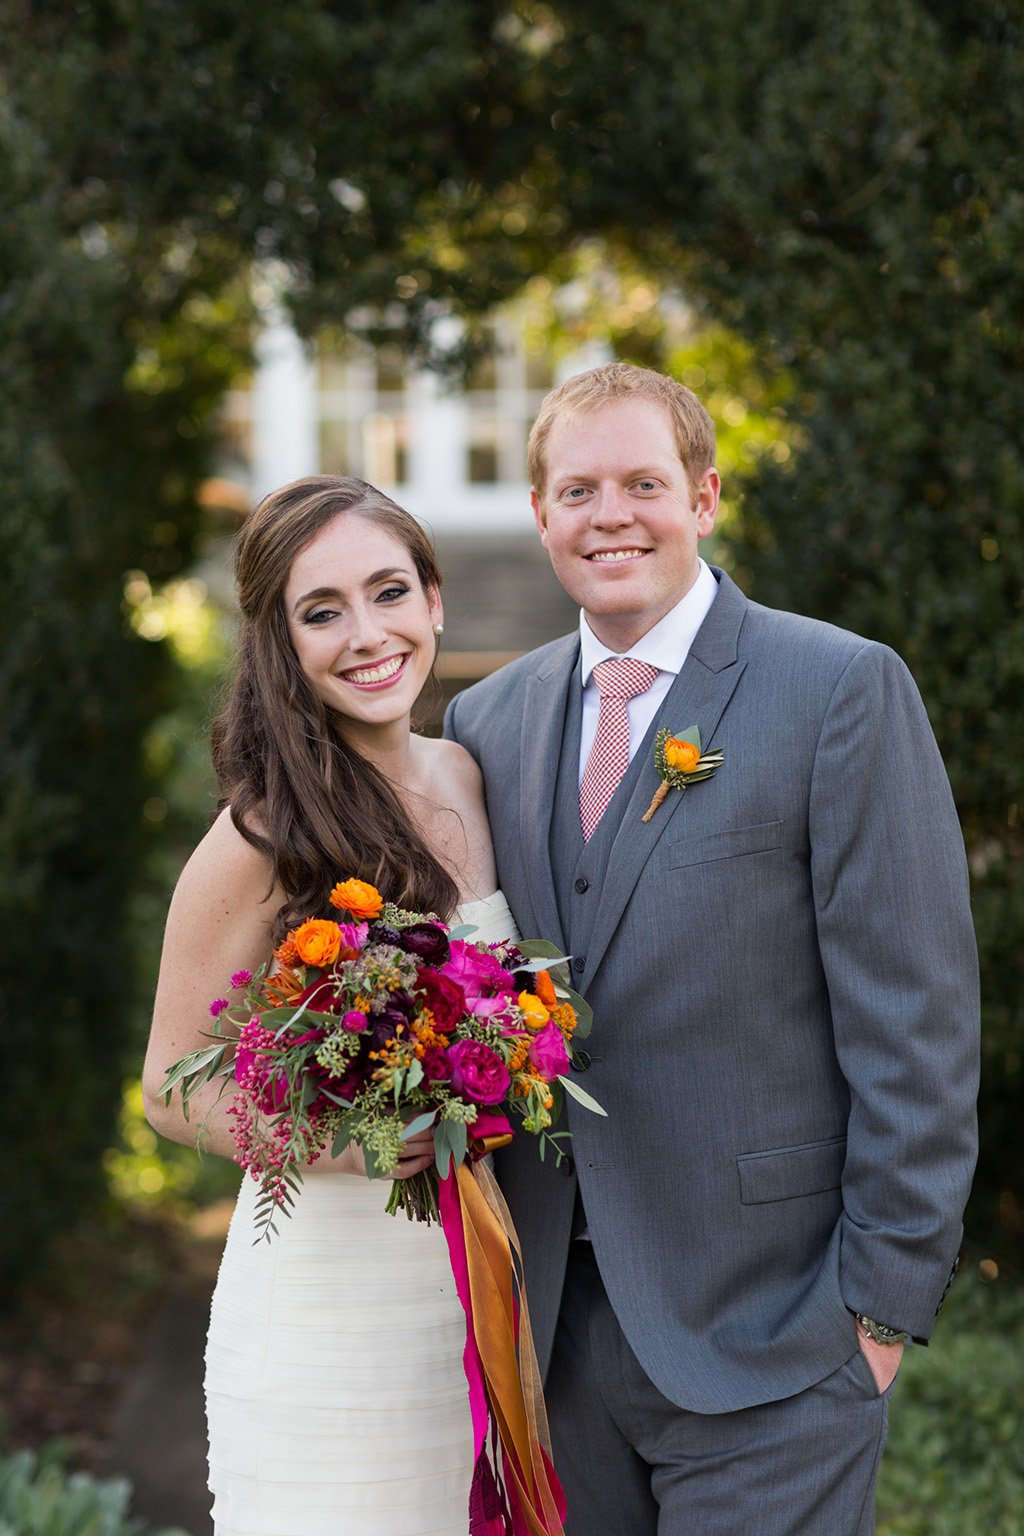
(897, 943)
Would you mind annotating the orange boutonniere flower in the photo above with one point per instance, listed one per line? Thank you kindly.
(681, 754)
(359, 899)
(317, 942)
(680, 763)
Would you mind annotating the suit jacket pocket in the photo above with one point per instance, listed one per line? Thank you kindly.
(731, 844)
(787, 1172)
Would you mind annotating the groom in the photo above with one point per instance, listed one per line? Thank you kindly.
(783, 976)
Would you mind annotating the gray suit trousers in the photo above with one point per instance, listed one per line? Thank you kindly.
(633, 1464)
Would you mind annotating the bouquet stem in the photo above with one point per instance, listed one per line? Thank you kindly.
(417, 1197)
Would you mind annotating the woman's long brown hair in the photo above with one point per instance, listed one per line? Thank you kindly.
(297, 791)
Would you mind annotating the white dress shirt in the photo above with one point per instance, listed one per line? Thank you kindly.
(666, 647)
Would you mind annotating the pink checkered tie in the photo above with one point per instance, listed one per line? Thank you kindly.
(618, 681)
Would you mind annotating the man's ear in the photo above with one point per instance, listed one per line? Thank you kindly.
(706, 501)
(539, 516)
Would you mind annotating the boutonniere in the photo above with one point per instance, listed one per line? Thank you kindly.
(680, 763)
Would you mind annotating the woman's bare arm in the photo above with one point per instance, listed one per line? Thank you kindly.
(220, 921)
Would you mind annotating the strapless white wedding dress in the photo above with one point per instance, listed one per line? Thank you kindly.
(335, 1395)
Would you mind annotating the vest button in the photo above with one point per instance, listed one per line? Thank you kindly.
(581, 1061)
(582, 886)
(579, 963)
(567, 1167)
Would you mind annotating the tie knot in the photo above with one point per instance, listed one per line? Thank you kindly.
(623, 678)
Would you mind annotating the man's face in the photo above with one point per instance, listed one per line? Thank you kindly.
(619, 517)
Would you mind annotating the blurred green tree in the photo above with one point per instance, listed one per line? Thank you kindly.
(150, 156)
(840, 187)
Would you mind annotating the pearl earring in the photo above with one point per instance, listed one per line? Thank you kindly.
(438, 629)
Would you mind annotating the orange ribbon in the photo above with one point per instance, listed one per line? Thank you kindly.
(499, 1325)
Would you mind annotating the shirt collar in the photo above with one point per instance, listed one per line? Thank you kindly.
(667, 645)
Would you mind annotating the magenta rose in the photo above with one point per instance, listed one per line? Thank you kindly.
(483, 979)
(444, 997)
(548, 1052)
(477, 1072)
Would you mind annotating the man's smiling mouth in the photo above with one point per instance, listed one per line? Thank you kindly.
(615, 556)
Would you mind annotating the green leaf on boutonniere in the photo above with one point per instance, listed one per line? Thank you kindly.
(680, 763)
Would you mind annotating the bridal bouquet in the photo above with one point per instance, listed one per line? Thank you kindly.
(370, 1028)
(375, 1026)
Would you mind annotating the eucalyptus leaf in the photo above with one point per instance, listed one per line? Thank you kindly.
(539, 949)
(583, 1011)
(576, 1092)
(442, 1148)
(459, 1141)
(421, 1123)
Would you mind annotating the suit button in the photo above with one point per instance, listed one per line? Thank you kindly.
(579, 963)
(582, 886)
(581, 1061)
(567, 1166)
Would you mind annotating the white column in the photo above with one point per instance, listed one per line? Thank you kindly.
(284, 411)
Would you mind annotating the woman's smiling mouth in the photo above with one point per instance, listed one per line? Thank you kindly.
(379, 675)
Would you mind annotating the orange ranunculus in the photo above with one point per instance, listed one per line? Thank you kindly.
(317, 942)
(681, 754)
(545, 989)
(535, 1014)
(358, 898)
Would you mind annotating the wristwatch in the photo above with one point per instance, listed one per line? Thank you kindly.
(880, 1332)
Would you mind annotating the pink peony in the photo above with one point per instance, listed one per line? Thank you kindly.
(548, 1052)
(477, 1073)
(485, 982)
(353, 936)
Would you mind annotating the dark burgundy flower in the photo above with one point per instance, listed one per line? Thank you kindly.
(348, 1086)
(385, 1026)
(321, 995)
(435, 1064)
(444, 997)
(427, 941)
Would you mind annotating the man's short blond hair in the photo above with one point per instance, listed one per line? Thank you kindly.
(693, 427)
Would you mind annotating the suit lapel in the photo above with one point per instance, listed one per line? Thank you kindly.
(543, 727)
(698, 696)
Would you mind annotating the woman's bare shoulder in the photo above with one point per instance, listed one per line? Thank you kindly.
(225, 868)
(452, 763)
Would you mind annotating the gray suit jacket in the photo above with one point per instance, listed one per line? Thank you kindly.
(784, 982)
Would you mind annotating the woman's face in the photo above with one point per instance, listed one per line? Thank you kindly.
(362, 624)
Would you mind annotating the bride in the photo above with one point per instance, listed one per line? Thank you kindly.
(336, 1399)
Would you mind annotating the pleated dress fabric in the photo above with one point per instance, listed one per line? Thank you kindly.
(335, 1394)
